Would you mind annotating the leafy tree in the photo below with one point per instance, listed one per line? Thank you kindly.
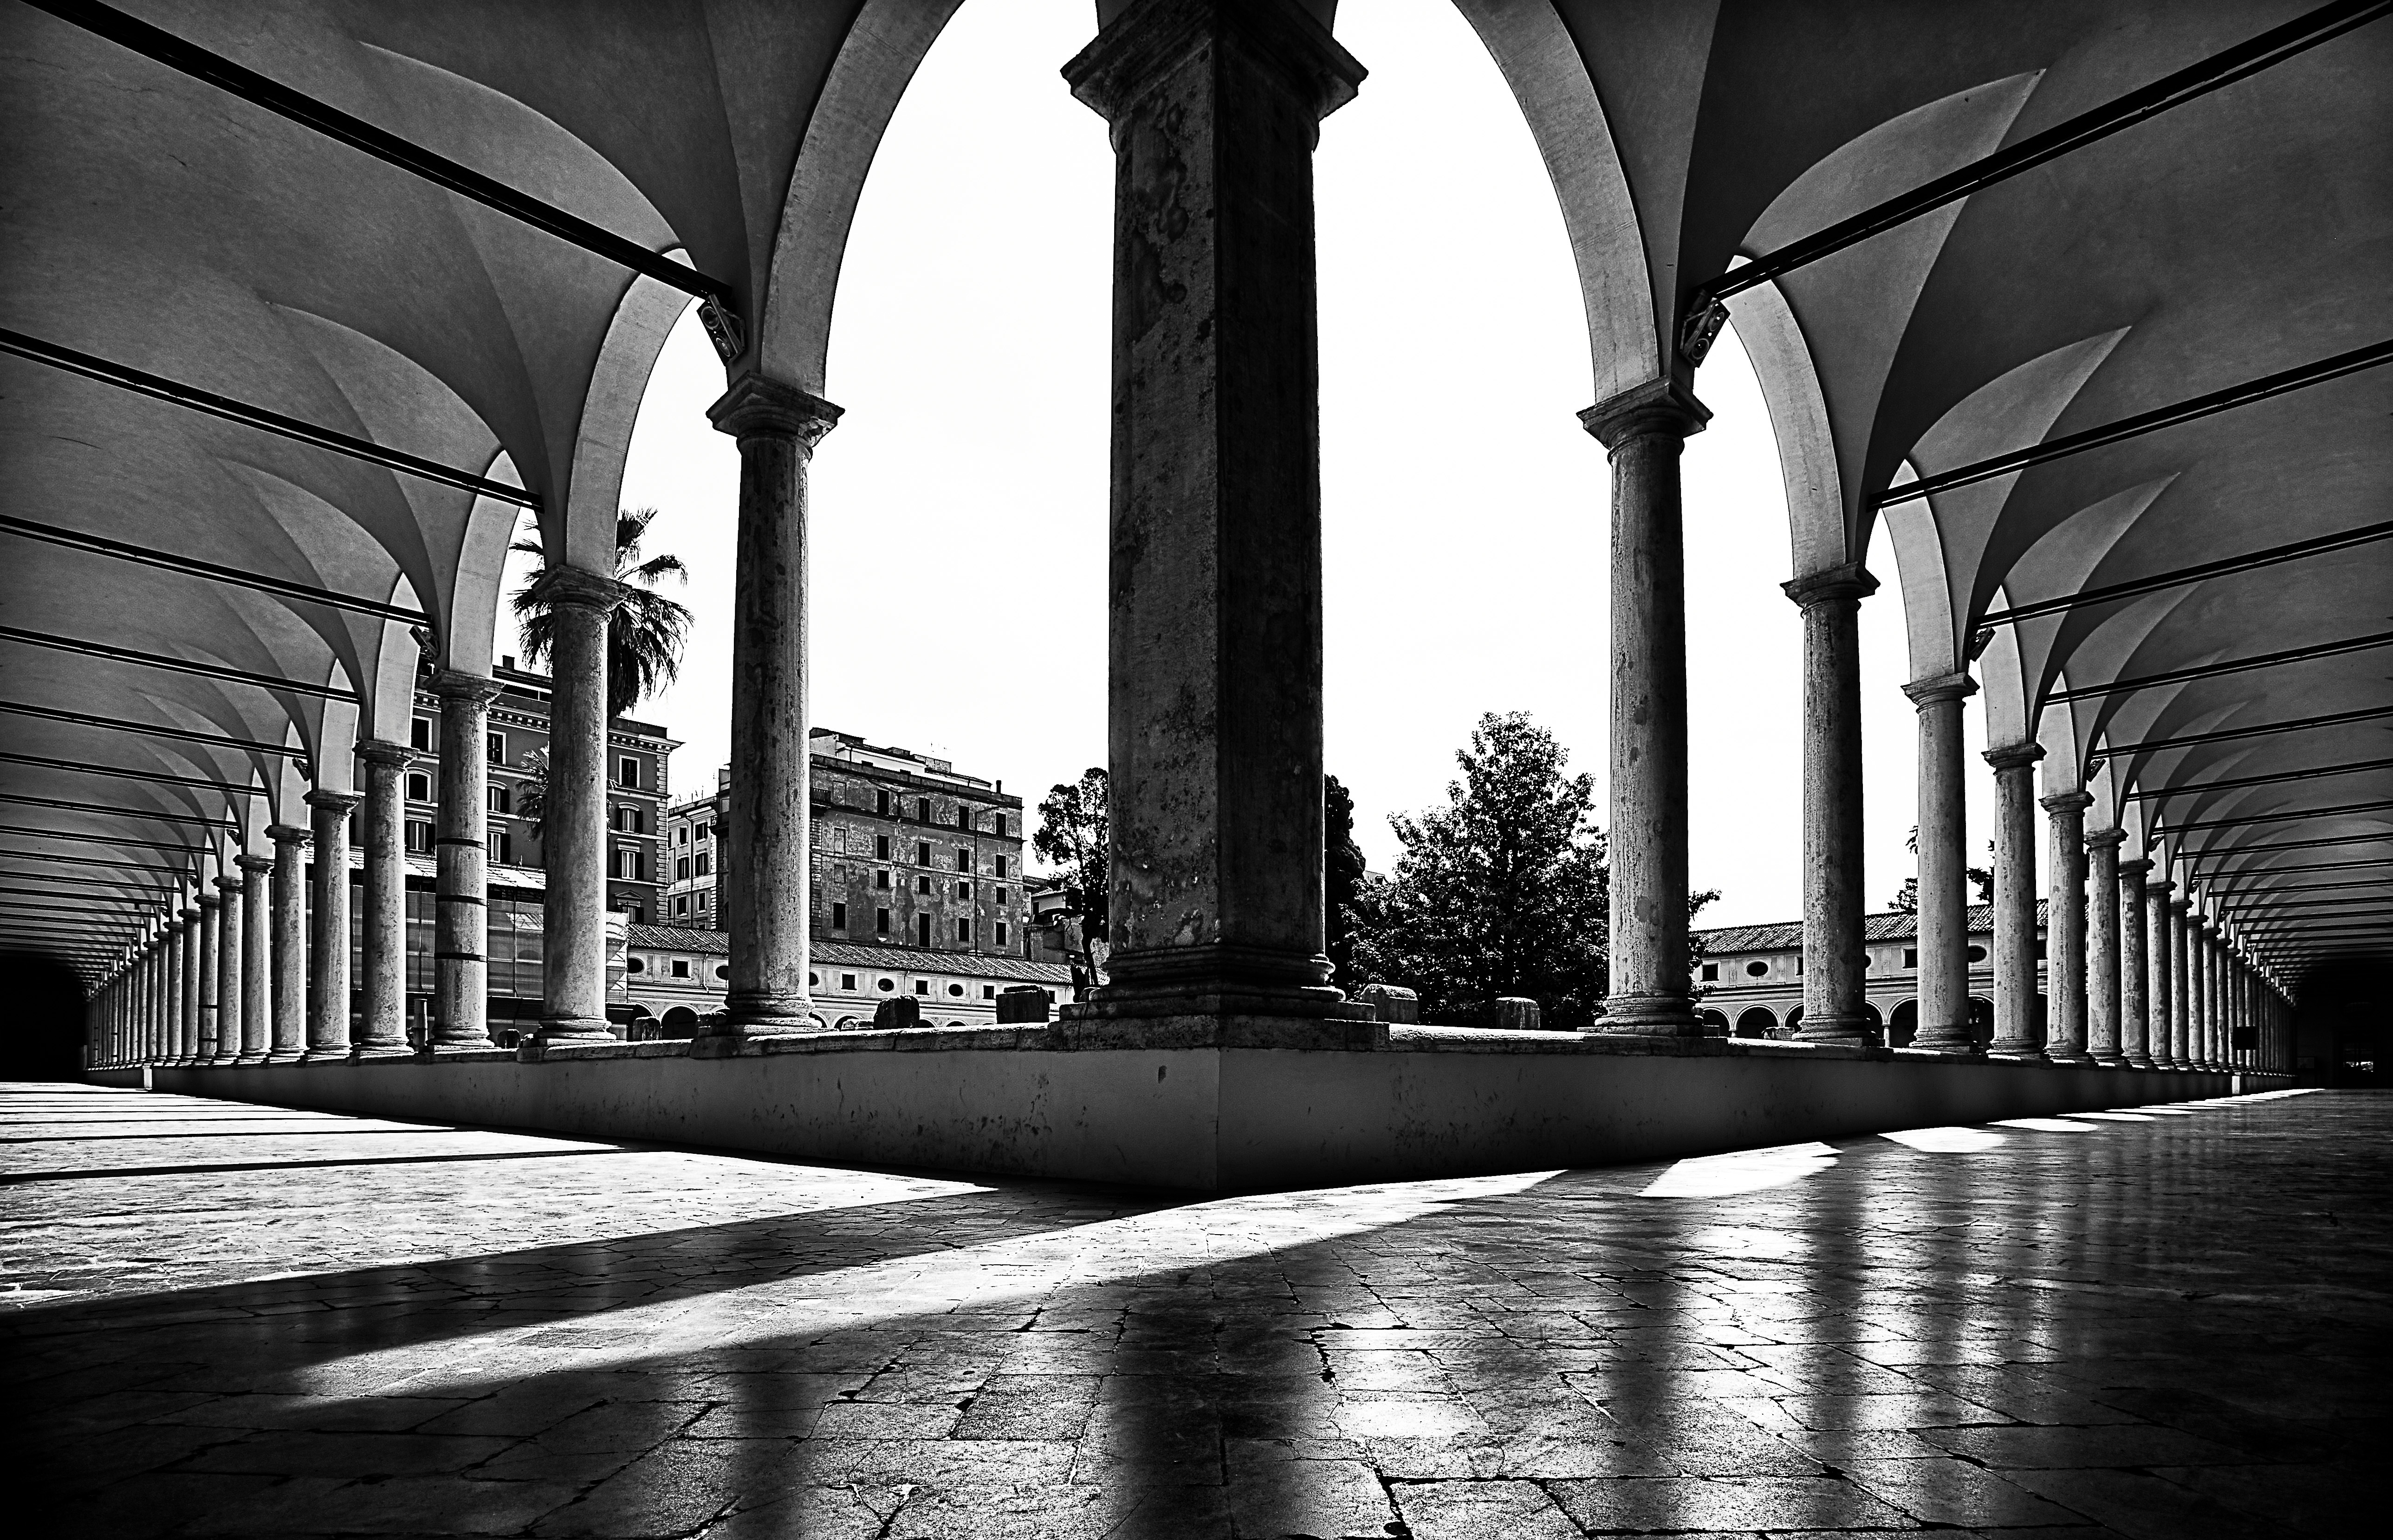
(532, 795)
(645, 634)
(1074, 831)
(1342, 880)
(1504, 890)
(1907, 897)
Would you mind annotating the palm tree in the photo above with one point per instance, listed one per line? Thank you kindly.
(645, 634)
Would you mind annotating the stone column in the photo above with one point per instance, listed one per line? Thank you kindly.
(763, 854)
(1943, 844)
(328, 929)
(1214, 696)
(2102, 974)
(2135, 968)
(2064, 950)
(1835, 962)
(383, 955)
(574, 840)
(461, 990)
(2181, 981)
(232, 920)
(289, 962)
(256, 969)
(2212, 997)
(1644, 430)
(184, 1025)
(2014, 901)
(203, 1047)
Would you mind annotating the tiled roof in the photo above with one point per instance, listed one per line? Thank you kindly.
(849, 954)
(1788, 934)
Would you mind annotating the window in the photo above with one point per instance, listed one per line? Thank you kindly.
(881, 847)
(627, 820)
(922, 809)
(881, 881)
(495, 745)
(681, 869)
(500, 801)
(702, 864)
(963, 890)
(884, 986)
(847, 981)
(1711, 973)
(504, 845)
(989, 991)
(921, 853)
(881, 804)
(2039, 949)
(956, 990)
(681, 966)
(419, 733)
(1003, 827)
(722, 972)
(1002, 894)
(1755, 970)
(1977, 954)
(1001, 866)
(964, 859)
(922, 987)
(706, 831)
(1001, 934)
(814, 981)
(880, 922)
(635, 965)
(839, 917)
(922, 883)
(922, 929)
(964, 933)
(419, 835)
(964, 817)
(1911, 957)
(681, 835)
(627, 770)
(419, 789)
(839, 842)
(681, 905)
(631, 866)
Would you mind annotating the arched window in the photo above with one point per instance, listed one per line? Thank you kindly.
(1755, 1023)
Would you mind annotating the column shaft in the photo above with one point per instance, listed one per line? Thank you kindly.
(289, 962)
(328, 928)
(2182, 979)
(184, 1025)
(1943, 865)
(460, 993)
(383, 1030)
(763, 875)
(232, 919)
(211, 1037)
(2064, 928)
(1835, 962)
(2135, 968)
(574, 837)
(256, 969)
(2102, 948)
(2015, 1034)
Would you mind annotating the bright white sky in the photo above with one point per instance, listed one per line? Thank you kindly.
(958, 541)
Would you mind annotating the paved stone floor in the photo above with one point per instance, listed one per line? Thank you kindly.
(229, 1320)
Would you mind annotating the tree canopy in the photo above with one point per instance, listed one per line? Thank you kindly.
(1073, 834)
(645, 634)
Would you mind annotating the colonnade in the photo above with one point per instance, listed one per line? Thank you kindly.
(1215, 703)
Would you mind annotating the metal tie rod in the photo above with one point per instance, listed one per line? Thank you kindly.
(129, 866)
(2227, 853)
(2142, 795)
(19, 797)
(76, 540)
(78, 880)
(92, 366)
(2141, 422)
(2281, 817)
(151, 729)
(95, 839)
(718, 311)
(2225, 68)
(2154, 745)
(2207, 671)
(179, 665)
(2183, 575)
(161, 777)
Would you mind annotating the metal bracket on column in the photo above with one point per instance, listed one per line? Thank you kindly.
(1702, 328)
(724, 329)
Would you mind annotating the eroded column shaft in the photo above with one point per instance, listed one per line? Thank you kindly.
(1835, 962)
(2015, 991)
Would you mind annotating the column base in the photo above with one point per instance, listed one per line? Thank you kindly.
(1116, 1002)
(1834, 1029)
(464, 1044)
(2068, 1056)
(250, 1059)
(2111, 1061)
(2136, 1061)
(2019, 1051)
(1652, 1016)
(384, 1050)
(285, 1056)
(1954, 1038)
(325, 1056)
(574, 1029)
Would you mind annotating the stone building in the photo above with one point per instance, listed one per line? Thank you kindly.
(1750, 981)
(908, 852)
(676, 975)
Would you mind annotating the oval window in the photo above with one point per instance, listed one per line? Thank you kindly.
(722, 971)
(1977, 954)
(955, 989)
(814, 981)
(1755, 970)
(886, 985)
(635, 965)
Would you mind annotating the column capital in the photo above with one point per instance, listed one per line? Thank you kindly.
(288, 834)
(1141, 40)
(2067, 802)
(232, 884)
(1849, 582)
(1656, 407)
(756, 407)
(1941, 686)
(191, 913)
(252, 863)
(209, 901)
(342, 802)
(2018, 756)
(374, 750)
(574, 589)
(2182, 906)
(2109, 838)
(457, 684)
(2136, 868)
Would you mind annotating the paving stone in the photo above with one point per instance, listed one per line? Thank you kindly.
(1481, 1511)
(1638, 1504)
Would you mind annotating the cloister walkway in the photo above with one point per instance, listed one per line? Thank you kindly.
(226, 1319)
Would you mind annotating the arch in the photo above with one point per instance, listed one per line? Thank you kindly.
(1799, 424)
(581, 532)
(681, 1021)
(1794, 1020)
(1904, 1026)
(1981, 1020)
(1713, 1019)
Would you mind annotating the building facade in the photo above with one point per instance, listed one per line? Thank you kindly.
(1750, 981)
(638, 759)
(675, 975)
(908, 853)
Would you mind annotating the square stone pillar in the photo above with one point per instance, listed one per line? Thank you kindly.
(328, 928)
(1215, 613)
(2015, 902)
